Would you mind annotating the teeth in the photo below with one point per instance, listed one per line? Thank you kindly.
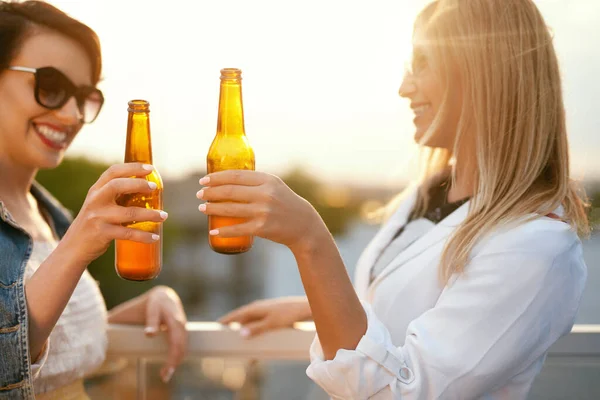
(420, 109)
(51, 134)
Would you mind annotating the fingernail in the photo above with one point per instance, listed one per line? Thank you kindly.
(149, 330)
(152, 185)
(148, 167)
(168, 374)
(214, 232)
(200, 193)
(202, 207)
(164, 214)
(244, 332)
(155, 237)
(204, 180)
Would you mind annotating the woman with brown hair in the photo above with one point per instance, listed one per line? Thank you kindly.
(478, 268)
(53, 319)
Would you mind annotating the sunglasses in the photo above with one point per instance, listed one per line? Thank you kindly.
(53, 89)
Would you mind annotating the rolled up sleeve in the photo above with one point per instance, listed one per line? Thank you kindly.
(489, 325)
(356, 374)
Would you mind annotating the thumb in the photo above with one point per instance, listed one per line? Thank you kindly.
(152, 320)
(256, 328)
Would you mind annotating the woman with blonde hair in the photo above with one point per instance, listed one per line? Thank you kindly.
(478, 270)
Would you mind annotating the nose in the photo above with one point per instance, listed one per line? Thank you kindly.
(69, 114)
(408, 86)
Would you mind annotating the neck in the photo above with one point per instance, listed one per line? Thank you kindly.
(464, 186)
(16, 183)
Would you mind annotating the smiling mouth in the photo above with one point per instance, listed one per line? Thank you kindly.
(51, 137)
(420, 109)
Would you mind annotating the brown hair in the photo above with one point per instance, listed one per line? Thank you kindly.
(19, 19)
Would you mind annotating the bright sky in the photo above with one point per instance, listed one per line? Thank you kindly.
(320, 80)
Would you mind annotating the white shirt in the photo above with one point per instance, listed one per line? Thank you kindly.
(77, 344)
(484, 336)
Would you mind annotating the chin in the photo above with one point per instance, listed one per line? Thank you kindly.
(51, 162)
(434, 142)
(418, 137)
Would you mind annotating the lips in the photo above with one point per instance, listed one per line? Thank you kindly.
(52, 136)
(419, 109)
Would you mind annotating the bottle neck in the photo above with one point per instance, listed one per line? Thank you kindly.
(231, 111)
(139, 146)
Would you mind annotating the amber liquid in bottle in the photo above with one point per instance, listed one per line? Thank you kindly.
(230, 149)
(133, 260)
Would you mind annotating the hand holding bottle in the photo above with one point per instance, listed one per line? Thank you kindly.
(271, 209)
(100, 219)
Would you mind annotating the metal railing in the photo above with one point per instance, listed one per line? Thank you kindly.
(212, 343)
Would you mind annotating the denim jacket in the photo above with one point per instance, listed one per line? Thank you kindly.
(15, 249)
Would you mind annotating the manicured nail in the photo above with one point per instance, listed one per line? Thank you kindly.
(214, 232)
(148, 167)
(204, 180)
(149, 330)
(202, 207)
(168, 374)
(164, 215)
(200, 193)
(244, 332)
(155, 237)
(152, 185)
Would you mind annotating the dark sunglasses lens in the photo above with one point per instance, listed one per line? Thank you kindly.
(52, 90)
(92, 104)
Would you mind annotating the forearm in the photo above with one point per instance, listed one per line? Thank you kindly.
(339, 317)
(48, 292)
(306, 314)
(131, 312)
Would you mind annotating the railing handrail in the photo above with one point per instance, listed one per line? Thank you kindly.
(211, 339)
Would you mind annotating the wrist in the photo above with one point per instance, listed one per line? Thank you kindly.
(69, 256)
(313, 238)
(309, 245)
(68, 245)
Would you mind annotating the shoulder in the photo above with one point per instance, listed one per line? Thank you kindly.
(540, 243)
(59, 213)
(531, 234)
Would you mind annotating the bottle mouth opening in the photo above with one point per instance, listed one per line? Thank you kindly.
(138, 106)
(231, 73)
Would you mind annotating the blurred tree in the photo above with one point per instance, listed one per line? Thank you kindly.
(70, 183)
(336, 215)
(594, 210)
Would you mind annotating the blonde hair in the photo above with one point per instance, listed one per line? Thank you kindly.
(499, 55)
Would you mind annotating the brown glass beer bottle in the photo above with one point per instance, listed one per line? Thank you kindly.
(230, 149)
(133, 260)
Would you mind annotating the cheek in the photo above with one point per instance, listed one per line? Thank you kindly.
(432, 90)
(21, 108)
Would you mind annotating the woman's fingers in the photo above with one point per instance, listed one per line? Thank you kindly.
(256, 328)
(236, 210)
(125, 170)
(118, 186)
(122, 215)
(244, 314)
(235, 177)
(244, 194)
(177, 337)
(135, 235)
(244, 229)
(152, 319)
